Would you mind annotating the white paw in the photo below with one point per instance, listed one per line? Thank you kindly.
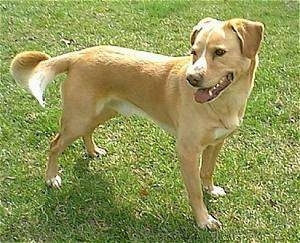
(216, 191)
(54, 182)
(211, 223)
(98, 152)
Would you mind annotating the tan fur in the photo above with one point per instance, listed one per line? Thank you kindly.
(104, 81)
(23, 65)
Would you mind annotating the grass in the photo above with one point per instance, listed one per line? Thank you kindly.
(136, 192)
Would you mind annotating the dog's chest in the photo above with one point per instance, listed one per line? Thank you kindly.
(225, 131)
(221, 132)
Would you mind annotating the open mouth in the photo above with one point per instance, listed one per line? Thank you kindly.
(209, 94)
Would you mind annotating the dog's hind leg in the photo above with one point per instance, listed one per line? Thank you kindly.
(209, 159)
(92, 149)
(79, 116)
(58, 145)
(73, 125)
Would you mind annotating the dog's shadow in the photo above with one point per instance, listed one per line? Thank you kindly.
(88, 210)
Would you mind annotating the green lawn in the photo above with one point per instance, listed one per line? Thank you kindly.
(135, 193)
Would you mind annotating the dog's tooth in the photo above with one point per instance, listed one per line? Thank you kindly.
(210, 93)
(217, 85)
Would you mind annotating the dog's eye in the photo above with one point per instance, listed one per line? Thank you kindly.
(220, 52)
(193, 52)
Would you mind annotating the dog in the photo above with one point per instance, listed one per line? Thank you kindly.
(199, 98)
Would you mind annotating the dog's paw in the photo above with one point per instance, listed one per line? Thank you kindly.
(210, 223)
(97, 152)
(216, 191)
(54, 182)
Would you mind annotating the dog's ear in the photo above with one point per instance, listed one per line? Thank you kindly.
(250, 35)
(197, 28)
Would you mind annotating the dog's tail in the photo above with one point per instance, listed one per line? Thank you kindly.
(34, 70)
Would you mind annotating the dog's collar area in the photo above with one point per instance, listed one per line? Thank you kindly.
(209, 94)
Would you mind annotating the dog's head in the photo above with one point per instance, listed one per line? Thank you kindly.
(222, 52)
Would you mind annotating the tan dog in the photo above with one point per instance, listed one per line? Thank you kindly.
(104, 81)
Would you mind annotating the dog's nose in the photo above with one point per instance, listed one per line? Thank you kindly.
(195, 80)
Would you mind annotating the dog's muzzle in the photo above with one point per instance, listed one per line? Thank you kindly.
(194, 80)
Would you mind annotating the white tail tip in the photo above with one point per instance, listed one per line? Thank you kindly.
(37, 85)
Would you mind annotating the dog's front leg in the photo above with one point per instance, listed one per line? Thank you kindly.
(189, 158)
(209, 159)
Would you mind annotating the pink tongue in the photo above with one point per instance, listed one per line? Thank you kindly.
(202, 95)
